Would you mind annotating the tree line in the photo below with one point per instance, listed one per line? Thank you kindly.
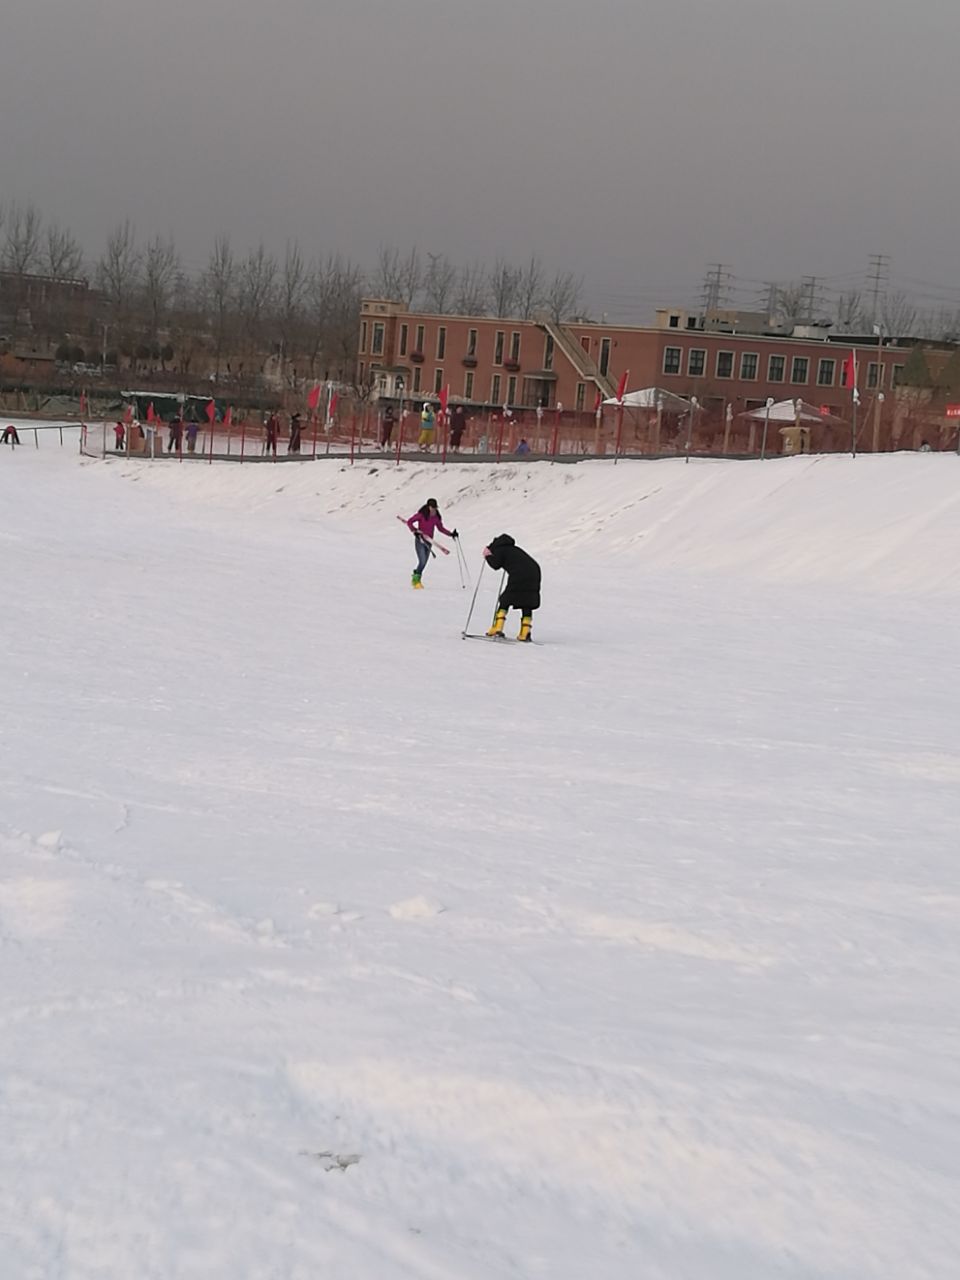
(240, 307)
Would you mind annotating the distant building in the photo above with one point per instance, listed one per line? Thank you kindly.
(730, 361)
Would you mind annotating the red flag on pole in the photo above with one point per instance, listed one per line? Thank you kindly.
(228, 416)
(848, 377)
(313, 398)
(444, 397)
(211, 411)
(150, 413)
(332, 408)
(128, 414)
(598, 403)
(622, 385)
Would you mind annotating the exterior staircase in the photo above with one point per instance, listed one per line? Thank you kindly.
(586, 367)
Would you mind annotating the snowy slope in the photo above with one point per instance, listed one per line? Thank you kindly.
(335, 945)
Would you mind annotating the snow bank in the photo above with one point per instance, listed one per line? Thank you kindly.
(884, 523)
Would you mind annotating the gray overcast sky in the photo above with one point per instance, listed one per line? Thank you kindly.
(632, 141)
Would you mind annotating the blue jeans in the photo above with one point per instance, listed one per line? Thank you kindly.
(423, 553)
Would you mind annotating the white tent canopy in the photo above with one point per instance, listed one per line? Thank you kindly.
(791, 411)
(651, 398)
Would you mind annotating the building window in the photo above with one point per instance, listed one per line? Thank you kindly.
(511, 391)
(898, 375)
(468, 385)
(674, 322)
(437, 380)
(581, 395)
(363, 335)
(419, 346)
(671, 359)
(498, 348)
(696, 362)
(585, 341)
(749, 361)
(377, 348)
(495, 388)
(441, 342)
(604, 356)
(548, 352)
(724, 364)
(873, 376)
(515, 349)
(471, 342)
(777, 369)
(361, 370)
(825, 373)
(403, 339)
(800, 369)
(416, 378)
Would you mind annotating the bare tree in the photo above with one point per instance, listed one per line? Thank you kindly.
(187, 314)
(942, 325)
(21, 253)
(334, 292)
(439, 282)
(21, 241)
(563, 296)
(850, 316)
(397, 278)
(898, 315)
(255, 295)
(503, 287)
(472, 295)
(161, 264)
(530, 289)
(791, 304)
(118, 275)
(62, 255)
(291, 294)
(219, 286)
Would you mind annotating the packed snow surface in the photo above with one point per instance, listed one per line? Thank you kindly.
(334, 945)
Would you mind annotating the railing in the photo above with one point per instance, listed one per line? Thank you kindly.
(584, 363)
(494, 436)
(16, 432)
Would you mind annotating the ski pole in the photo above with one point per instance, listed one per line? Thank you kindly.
(466, 625)
(462, 565)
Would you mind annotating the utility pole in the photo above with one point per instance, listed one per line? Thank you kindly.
(879, 276)
(811, 296)
(714, 290)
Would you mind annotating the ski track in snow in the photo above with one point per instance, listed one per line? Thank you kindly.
(334, 946)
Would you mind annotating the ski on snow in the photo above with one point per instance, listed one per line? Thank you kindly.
(501, 640)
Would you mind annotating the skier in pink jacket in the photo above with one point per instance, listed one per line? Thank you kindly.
(424, 525)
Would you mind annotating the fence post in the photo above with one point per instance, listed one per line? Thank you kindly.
(503, 423)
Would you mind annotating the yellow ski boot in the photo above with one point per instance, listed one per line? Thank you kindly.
(526, 626)
(416, 583)
(498, 623)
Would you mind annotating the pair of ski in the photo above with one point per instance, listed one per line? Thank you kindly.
(500, 639)
(429, 541)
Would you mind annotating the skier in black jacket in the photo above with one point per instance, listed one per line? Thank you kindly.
(523, 584)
